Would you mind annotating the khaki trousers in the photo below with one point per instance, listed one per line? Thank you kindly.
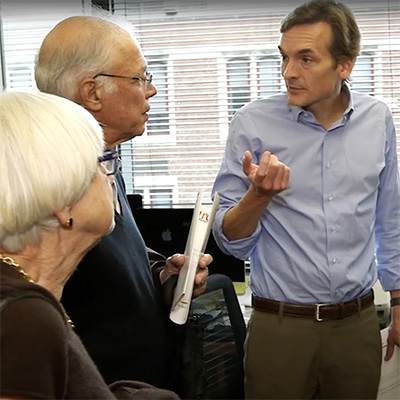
(296, 358)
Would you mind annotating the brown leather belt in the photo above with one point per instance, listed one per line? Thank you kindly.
(318, 312)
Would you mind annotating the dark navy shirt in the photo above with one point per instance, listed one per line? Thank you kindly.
(116, 309)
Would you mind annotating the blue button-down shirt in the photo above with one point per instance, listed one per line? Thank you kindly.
(317, 240)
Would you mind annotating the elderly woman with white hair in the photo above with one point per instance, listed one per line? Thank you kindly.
(55, 204)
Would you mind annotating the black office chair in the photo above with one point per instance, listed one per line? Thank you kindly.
(212, 344)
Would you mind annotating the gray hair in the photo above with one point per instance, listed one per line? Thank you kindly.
(61, 65)
(49, 149)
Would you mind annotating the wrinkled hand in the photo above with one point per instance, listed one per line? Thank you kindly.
(175, 263)
(268, 178)
(200, 280)
(394, 333)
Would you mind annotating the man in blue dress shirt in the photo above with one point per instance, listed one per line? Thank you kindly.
(320, 233)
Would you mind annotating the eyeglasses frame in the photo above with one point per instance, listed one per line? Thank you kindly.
(110, 155)
(147, 80)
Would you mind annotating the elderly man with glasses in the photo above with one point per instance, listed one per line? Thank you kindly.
(114, 298)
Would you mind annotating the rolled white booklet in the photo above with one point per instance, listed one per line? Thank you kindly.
(200, 228)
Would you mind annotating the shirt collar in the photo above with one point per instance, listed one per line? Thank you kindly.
(297, 111)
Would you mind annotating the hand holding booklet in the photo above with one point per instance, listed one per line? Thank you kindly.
(200, 228)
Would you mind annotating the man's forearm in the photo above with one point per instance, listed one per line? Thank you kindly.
(241, 221)
(395, 297)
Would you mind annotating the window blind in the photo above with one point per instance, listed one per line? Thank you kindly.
(208, 57)
(24, 25)
(211, 57)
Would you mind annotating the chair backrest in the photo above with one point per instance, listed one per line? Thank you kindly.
(216, 330)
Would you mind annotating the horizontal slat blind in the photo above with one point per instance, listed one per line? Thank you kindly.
(25, 23)
(215, 56)
(208, 57)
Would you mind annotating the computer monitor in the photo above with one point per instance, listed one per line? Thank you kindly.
(166, 229)
(135, 201)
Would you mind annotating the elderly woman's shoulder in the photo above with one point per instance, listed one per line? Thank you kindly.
(35, 344)
(31, 314)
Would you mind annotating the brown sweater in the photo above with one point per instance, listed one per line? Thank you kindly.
(41, 356)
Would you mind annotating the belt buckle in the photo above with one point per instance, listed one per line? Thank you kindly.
(317, 311)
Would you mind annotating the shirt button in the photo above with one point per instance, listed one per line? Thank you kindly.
(333, 228)
(328, 165)
(330, 197)
(334, 259)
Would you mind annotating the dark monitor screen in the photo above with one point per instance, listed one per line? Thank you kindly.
(166, 229)
(135, 201)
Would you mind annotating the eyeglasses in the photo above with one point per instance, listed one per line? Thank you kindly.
(110, 161)
(147, 80)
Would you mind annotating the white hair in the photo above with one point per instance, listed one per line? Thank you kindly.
(49, 147)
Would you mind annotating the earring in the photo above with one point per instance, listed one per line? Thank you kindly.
(68, 222)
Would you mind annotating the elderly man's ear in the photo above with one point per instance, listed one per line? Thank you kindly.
(90, 95)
